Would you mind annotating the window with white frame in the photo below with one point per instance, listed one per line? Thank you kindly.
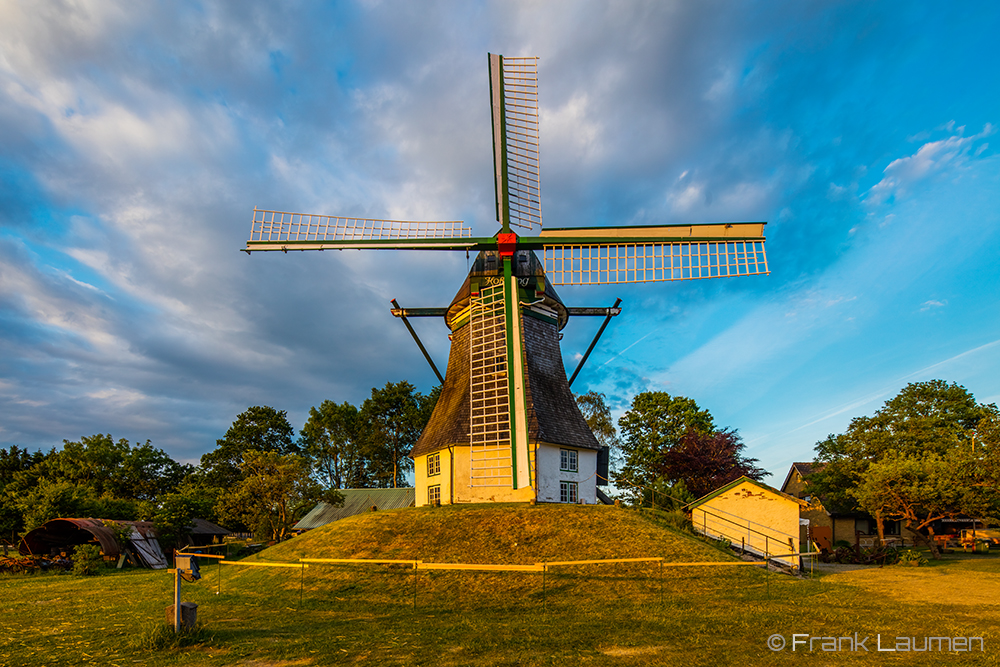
(567, 460)
(434, 464)
(567, 492)
(434, 495)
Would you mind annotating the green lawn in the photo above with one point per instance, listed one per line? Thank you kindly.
(606, 615)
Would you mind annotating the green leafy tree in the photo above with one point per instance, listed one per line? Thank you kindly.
(653, 426)
(259, 428)
(109, 468)
(332, 438)
(670, 439)
(392, 419)
(915, 459)
(275, 491)
(13, 460)
(96, 476)
(594, 407)
(50, 499)
(175, 512)
(922, 489)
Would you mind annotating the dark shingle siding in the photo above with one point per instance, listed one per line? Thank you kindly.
(553, 414)
(449, 424)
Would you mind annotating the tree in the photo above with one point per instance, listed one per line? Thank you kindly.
(654, 425)
(332, 439)
(175, 512)
(259, 428)
(111, 468)
(274, 492)
(54, 499)
(670, 439)
(594, 407)
(95, 477)
(393, 418)
(915, 459)
(13, 461)
(922, 489)
(704, 461)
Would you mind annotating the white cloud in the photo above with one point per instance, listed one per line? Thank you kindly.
(927, 305)
(932, 158)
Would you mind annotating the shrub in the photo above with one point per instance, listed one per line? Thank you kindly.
(912, 558)
(87, 560)
(157, 636)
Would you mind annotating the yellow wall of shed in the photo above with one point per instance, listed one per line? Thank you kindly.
(748, 514)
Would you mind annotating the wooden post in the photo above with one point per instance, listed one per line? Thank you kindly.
(177, 598)
(661, 583)
(543, 588)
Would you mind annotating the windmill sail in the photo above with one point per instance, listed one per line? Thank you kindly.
(488, 383)
(282, 230)
(514, 89)
(598, 256)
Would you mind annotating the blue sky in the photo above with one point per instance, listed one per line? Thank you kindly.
(136, 139)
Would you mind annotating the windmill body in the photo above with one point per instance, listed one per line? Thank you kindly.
(506, 426)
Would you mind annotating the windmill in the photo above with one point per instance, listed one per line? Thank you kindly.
(506, 426)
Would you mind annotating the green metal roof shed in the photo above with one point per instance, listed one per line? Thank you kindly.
(357, 501)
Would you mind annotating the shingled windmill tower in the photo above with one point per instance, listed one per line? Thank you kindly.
(506, 427)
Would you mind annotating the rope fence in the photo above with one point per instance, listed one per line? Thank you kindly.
(414, 567)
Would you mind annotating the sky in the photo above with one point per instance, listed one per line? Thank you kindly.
(136, 138)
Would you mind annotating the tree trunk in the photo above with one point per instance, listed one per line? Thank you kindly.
(881, 529)
(932, 543)
(927, 539)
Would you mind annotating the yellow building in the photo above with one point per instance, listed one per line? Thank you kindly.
(821, 525)
(753, 517)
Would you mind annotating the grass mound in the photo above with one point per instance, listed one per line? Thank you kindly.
(508, 534)
(496, 533)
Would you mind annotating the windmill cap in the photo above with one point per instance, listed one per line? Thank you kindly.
(487, 265)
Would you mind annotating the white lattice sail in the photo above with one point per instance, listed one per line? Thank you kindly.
(490, 419)
(520, 109)
(280, 226)
(610, 263)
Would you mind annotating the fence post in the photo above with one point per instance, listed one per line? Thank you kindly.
(177, 598)
(544, 597)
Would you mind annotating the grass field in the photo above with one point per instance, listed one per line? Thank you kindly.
(604, 615)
